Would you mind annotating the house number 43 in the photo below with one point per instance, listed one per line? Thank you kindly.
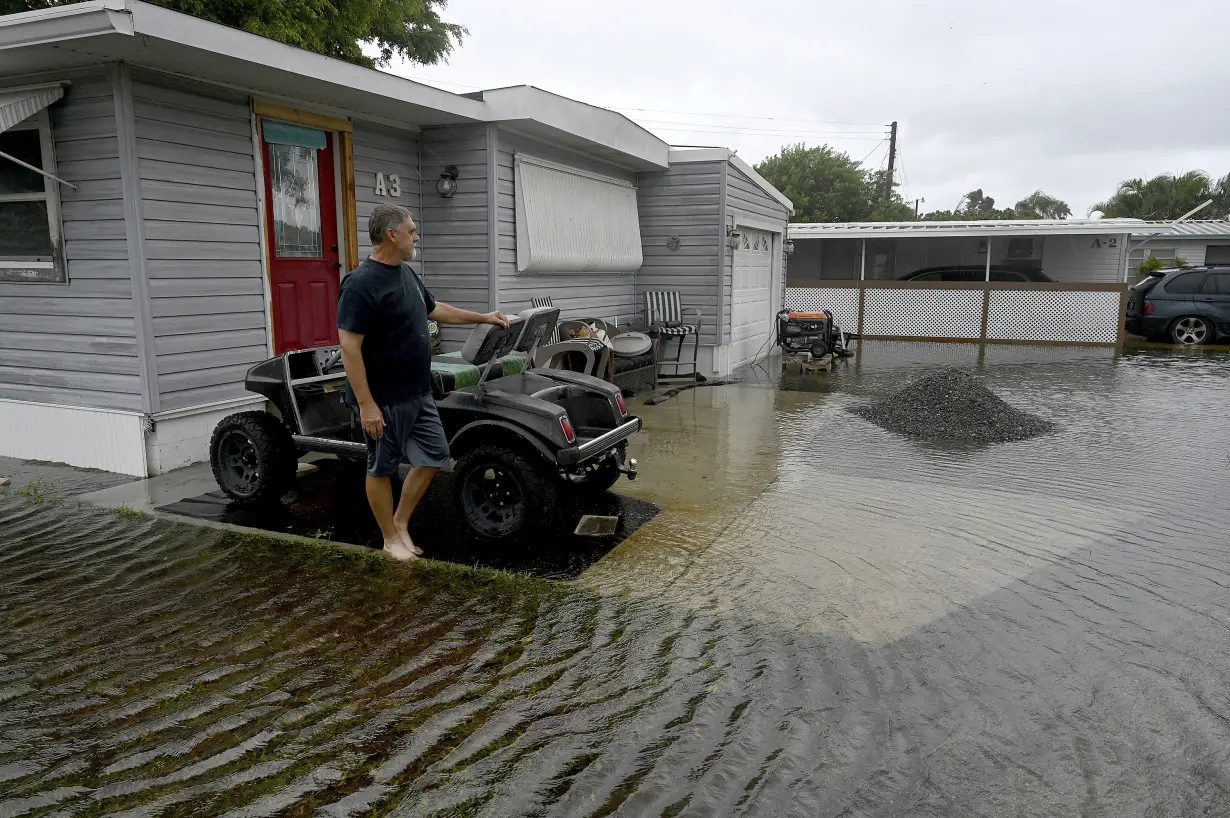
(388, 185)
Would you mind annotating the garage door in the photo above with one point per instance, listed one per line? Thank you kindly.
(752, 299)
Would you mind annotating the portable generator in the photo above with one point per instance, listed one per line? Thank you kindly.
(812, 332)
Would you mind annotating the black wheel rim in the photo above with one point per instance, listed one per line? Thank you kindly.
(493, 500)
(240, 465)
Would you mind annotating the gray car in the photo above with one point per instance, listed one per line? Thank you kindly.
(1188, 305)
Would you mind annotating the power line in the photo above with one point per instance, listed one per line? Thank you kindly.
(746, 116)
(800, 134)
(752, 127)
(780, 119)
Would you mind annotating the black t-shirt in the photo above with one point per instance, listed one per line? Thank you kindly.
(389, 306)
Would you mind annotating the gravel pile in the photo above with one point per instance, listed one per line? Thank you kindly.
(953, 405)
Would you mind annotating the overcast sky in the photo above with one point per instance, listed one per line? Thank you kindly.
(1070, 97)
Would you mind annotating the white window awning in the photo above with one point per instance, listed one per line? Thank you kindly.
(21, 104)
(573, 221)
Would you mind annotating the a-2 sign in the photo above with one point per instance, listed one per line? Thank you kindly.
(388, 185)
(1112, 242)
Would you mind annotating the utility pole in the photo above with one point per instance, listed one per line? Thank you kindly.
(892, 160)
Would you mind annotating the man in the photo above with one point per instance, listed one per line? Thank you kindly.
(382, 315)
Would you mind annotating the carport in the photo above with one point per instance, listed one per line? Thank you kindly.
(1040, 281)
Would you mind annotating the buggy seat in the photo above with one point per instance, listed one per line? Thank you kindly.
(492, 351)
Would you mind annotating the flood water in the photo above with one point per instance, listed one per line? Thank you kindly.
(825, 619)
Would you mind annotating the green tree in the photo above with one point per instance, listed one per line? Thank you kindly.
(411, 29)
(1040, 205)
(826, 185)
(1165, 197)
(974, 206)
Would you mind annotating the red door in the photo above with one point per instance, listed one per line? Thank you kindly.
(304, 265)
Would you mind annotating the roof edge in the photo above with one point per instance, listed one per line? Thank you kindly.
(61, 23)
(591, 123)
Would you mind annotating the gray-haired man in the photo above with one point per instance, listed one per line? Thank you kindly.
(382, 317)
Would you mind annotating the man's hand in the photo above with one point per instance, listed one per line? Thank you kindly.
(498, 318)
(372, 419)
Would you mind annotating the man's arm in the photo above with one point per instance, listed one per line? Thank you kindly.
(370, 415)
(448, 314)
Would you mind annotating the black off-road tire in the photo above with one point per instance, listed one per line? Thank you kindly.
(502, 494)
(253, 458)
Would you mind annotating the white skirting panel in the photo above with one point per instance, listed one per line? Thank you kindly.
(105, 439)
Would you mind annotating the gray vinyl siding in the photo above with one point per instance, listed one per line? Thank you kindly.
(75, 344)
(392, 152)
(601, 295)
(746, 198)
(453, 250)
(1085, 259)
(683, 201)
(198, 180)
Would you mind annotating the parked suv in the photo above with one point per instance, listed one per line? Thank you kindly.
(1188, 305)
(975, 272)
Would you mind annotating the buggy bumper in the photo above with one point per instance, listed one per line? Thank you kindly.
(601, 444)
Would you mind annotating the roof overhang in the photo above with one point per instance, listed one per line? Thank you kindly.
(682, 156)
(921, 230)
(598, 132)
(1216, 229)
(141, 34)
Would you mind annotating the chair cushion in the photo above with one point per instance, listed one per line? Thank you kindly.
(680, 329)
(451, 371)
(626, 363)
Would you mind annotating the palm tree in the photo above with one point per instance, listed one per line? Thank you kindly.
(1163, 197)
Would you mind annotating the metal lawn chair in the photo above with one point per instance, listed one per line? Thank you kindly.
(665, 316)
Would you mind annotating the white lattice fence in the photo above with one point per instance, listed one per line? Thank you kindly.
(923, 313)
(1022, 315)
(841, 301)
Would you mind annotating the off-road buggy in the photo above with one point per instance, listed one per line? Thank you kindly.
(526, 442)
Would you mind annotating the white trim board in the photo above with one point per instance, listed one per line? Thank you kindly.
(107, 439)
(758, 223)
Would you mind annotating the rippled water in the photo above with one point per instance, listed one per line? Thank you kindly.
(826, 619)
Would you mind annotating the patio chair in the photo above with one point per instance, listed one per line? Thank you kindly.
(587, 355)
(664, 315)
(545, 301)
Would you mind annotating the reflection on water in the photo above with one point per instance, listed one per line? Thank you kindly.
(825, 619)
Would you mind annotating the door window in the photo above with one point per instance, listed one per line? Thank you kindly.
(296, 202)
(1217, 284)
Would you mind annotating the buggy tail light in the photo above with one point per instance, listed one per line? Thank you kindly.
(566, 425)
(623, 407)
(1148, 306)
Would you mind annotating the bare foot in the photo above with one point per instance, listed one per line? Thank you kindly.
(396, 549)
(409, 543)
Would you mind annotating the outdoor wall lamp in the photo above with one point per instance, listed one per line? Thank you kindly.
(732, 237)
(446, 185)
(788, 246)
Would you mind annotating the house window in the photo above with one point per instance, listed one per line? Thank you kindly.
(31, 249)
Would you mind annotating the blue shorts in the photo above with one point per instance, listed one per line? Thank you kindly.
(413, 433)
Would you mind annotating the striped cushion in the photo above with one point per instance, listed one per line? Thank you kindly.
(682, 329)
(545, 301)
(662, 307)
